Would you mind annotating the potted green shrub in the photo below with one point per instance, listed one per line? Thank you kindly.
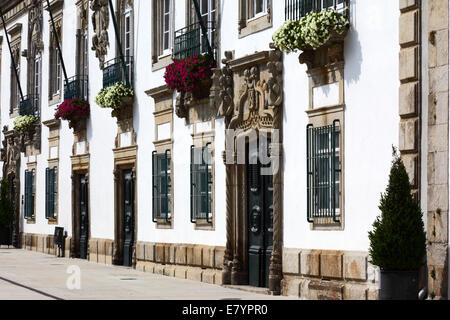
(6, 213)
(398, 240)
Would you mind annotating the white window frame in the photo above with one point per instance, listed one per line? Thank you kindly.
(258, 15)
(210, 16)
(166, 29)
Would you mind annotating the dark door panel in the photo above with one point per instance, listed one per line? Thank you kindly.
(84, 217)
(260, 221)
(128, 222)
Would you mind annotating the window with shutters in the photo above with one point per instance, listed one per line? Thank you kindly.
(163, 27)
(324, 174)
(254, 16)
(55, 66)
(162, 187)
(50, 193)
(29, 195)
(190, 41)
(201, 185)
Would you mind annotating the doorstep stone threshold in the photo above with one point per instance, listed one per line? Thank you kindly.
(250, 289)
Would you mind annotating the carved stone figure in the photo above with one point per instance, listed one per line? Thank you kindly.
(100, 23)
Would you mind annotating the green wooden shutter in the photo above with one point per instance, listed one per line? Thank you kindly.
(53, 192)
(47, 193)
(154, 188)
(32, 193)
(27, 187)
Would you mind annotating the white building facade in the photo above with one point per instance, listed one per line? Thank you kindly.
(129, 187)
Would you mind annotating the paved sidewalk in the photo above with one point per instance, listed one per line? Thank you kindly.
(27, 275)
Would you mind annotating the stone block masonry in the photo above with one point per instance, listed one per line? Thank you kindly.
(438, 147)
(329, 275)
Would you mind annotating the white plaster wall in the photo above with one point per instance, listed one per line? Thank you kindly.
(371, 128)
(371, 123)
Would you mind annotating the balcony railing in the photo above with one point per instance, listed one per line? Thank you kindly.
(29, 106)
(296, 9)
(113, 72)
(190, 41)
(77, 88)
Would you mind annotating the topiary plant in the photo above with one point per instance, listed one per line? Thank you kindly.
(398, 240)
(6, 206)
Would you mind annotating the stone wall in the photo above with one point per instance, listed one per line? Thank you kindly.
(43, 243)
(438, 147)
(329, 275)
(192, 262)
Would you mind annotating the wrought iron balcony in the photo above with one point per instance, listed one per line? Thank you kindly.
(30, 106)
(77, 87)
(190, 41)
(296, 9)
(113, 72)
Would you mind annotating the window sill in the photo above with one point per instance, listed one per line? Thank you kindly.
(162, 62)
(163, 224)
(52, 221)
(31, 220)
(54, 99)
(327, 224)
(204, 225)
(255, 25)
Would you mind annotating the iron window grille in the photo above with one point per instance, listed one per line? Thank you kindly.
(323, 172)
(50, 193)
(29, 194)
(29, 106)
(77, 87)
(162, 184)
(190, 41)
(113, 72)
(201, 184)
(296, 9)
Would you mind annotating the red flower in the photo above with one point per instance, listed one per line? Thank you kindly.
(186, 74)
(72, 108)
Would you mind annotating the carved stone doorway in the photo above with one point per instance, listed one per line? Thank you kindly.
(252, 104)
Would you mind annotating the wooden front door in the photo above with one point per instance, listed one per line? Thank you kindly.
(128, 216)
(84, 216)
(260, 220)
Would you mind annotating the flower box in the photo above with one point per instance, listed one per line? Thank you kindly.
(191, 75)
(115, 97)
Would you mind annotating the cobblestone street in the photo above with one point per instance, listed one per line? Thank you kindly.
(28, 275)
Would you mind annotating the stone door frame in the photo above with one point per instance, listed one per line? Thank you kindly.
(125, 159)
(260, 75)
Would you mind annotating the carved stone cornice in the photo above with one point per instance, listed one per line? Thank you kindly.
(12, 10)
(15, 30)
(159, 92)
(55, 5)
(258, 79)
(52, 123)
